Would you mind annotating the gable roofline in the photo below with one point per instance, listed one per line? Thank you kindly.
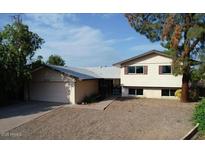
(73, 72)
(83, 73)
(142, 55)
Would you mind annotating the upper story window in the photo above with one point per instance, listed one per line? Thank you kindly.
(131, 69)
(136, 70)
(139, 69)
(165, 69)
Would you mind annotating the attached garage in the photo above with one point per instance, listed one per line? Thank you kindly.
(52, 83)
(48, 91)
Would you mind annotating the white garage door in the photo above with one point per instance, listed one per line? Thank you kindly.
(48, 91)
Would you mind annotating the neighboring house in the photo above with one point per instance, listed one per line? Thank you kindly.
(146, 75)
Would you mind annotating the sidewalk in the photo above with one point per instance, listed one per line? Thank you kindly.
(102, 105)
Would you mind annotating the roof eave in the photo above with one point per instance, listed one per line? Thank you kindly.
(44, 65)
(141, 55)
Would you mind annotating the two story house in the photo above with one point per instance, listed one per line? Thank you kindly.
(148, 75)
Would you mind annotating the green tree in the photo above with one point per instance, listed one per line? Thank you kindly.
(199, 72)
(37, 62)
(56, 60)
(183, 35)
(17, 45)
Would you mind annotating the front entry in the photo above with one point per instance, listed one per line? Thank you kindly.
(109, 87)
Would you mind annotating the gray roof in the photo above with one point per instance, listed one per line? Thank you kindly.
(85, 73)
(142, 55)
(106, 72)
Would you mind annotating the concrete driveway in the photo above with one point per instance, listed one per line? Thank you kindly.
(16, 115)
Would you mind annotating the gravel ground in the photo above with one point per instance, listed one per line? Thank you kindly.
(125, 118)
(200, 136)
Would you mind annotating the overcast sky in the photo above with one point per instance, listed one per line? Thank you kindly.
(86, 39)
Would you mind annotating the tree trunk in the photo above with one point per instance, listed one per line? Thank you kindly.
(185, 88)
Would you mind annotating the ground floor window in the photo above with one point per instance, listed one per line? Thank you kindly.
(139, 91)
(132, 91)
(168, 92)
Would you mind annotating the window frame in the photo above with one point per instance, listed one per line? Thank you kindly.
(138, 67)
(135, 91)
(129, 68)
(138, 90)
(162, 66)
(169, 92)
(135, 69)
(130, 93)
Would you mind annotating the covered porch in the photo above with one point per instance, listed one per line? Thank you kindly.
(109, 87)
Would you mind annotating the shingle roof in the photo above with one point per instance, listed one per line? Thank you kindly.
(142, 55)
(106, 72)
(85, 73)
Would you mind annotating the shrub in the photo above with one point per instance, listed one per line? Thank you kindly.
(87, 100)
(91, 99)
(199, 115)
(194, 95)
(178, 93)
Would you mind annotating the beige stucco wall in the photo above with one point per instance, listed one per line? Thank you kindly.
(85, 88)
(52, 86)
(148, 93)
(153, 78)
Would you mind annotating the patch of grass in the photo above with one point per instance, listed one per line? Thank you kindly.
(199, 116)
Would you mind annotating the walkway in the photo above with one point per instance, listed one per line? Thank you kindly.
(102, 105)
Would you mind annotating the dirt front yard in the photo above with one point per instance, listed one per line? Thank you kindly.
(125, 118)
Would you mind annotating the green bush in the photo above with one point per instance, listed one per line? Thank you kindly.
(194, 95)
(178, 93)
(199, 115)
(91, 99)
(88, 100)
